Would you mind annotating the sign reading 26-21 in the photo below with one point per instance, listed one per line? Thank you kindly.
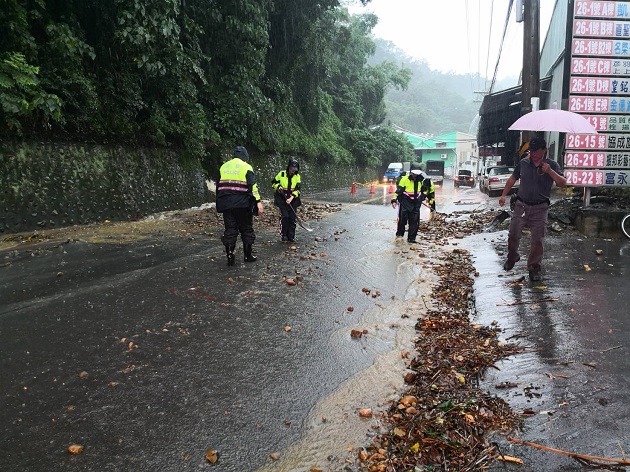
(597, 160)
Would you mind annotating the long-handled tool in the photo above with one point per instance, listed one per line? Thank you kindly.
(299, 221)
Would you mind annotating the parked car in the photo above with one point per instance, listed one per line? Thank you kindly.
(464, 177)
(494, 178)
(395, 170)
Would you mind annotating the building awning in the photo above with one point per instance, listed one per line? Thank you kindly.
(497, 113)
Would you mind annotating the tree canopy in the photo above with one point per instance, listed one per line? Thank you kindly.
(288, 76)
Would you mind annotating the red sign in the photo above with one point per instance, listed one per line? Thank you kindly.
(586, 141)
(600, 47)
(607, 160)
(589, 104)
(585, 159)
(600, 66)
(600, 85)
(598, 28)
(584, 178)
(592, 8)
(600, 90)
(598, 141)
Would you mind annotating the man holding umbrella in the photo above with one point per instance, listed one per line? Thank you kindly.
(537, 175)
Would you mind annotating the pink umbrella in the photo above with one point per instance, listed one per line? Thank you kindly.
(554, 120)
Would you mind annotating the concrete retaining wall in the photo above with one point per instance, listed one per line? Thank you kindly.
(600, 223)
(47, 185)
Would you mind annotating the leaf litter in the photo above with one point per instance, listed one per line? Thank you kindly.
(443, 421)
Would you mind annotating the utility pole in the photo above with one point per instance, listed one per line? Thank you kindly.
(531, 58)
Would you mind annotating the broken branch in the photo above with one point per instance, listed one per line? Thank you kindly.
(574, 455)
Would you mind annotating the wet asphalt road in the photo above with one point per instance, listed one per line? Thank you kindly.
(151, 352)
(148, 355)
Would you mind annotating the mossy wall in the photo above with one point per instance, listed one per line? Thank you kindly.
(47, 185)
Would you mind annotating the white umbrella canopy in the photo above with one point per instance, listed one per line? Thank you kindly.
(554, 120)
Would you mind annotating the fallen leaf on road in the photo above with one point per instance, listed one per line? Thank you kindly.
(275, 456)
(365, 412)
(355, 333)
(75, 449)
(586, 267)
(287, 328)
(212, 456)
(399, 432)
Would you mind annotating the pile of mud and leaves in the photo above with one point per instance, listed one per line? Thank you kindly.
(443, 421)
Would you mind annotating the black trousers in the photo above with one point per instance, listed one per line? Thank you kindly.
(238, 220)
(288, 220)
(411, 216)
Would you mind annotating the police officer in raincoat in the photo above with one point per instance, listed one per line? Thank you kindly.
(411, 191)
(238, 199)
(287, 185)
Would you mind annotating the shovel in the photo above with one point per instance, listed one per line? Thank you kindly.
(299, 221)
(500, 218)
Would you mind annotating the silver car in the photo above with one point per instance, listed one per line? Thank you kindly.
(494, 178)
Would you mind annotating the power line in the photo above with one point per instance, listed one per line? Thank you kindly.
(489, 38)
(496, 69)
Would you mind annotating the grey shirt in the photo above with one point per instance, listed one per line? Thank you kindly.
(534, 188)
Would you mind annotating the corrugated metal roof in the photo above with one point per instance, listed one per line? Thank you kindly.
(497, 113)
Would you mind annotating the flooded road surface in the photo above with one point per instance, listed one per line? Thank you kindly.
(151, 351)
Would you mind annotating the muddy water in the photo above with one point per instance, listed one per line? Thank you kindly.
(333, 429)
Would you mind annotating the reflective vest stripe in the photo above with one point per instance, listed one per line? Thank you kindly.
(236, 185)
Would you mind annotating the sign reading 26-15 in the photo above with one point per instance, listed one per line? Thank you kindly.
(598, 141)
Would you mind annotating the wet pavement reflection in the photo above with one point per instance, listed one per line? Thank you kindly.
(571, 385)
(151, 351)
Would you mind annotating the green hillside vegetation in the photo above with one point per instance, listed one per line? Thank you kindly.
(282, 76)
(433, 102)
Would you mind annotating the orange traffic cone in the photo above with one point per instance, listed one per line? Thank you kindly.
(353, 189)
(372, 188)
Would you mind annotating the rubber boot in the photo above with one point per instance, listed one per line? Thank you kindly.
(229, 250)
(247, 248)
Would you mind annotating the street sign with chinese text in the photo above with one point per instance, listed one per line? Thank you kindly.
(609, 122)
(597, 160)
(599, 85)
(598, 178)
(598, 141)
(599, 66)
(601, 9)
(599, 89)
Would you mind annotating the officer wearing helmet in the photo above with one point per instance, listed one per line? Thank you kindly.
(411, 191)
(286, 185)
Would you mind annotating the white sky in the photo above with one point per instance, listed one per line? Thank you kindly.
(456, 35)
